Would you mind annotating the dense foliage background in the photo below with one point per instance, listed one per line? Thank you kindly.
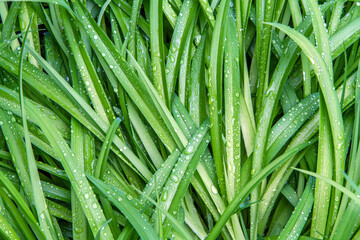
(151, 119)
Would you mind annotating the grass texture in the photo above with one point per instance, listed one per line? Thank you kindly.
(170, 119)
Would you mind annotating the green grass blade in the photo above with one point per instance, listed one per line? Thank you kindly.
(20, 202)
(38, 195)
(245, 191)
(7, 231)
(344, 190)
(182, 31)
(320, 32)
(330, 97)
(145, 136)
(172, 219)
(78, 146)
(289, 124)
(163, 110)
(346, 35)
(197, 94)
(20, 223)
(176, 187)
(160, 177)
(87, 72)
(121, 201)
(172, 192)
(93, 119)
(215, 92)
(157, 50)
(77, 177)
(300, 215)
(325, 168)
(105, 149)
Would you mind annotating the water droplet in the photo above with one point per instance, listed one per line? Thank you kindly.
(164, 196)
(189, 149)
(174, 178)
(129, 196)
(213, 189)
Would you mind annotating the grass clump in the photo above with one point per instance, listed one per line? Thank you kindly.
(179, 119)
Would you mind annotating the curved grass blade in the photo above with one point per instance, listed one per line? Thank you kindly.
(325, 168)
(178, 183)
(176, 186)
(320, 32)
(105, 149)
(102, 11)
(160, 105)
(349, 212)
(254, 181)
(280, 177)
(21, 204)
(289, 124)
(39, 202)
(87, 72)
(345, 36)
(171, 218)
(215, 91)
(279, 77)
(72, 101)
(120, 200)
(280, 74)
(76, 176)
(7, 231)
(145, 136)
(325, 152)
(135, 88)
(17, 150)
(21, 227)
(341, 188)
(331, 99)
(300, 215)
(160, 177)
(99, 173)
